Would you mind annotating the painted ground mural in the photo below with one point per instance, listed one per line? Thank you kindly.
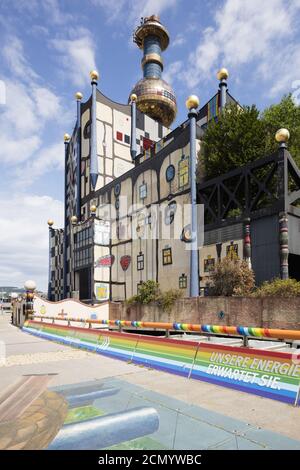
(117, 415)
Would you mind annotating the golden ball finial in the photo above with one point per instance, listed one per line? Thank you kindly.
(282, 135)
(78, 96)
(94, 75)
(192, 102)
(50, 222)
(133, 97)
(222, 74)
(67, 137)
(74, 219)
(93, 209)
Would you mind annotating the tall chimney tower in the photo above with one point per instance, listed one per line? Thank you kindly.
(154, 96)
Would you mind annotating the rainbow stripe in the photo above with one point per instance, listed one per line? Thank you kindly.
(214, 329)
(269, 374)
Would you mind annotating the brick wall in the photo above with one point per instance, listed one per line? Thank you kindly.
(270, 312)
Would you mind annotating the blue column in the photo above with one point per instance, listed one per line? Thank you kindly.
(78, 167)
(67, 140)
(93, 155)
(192, 104)
(223, 76)
(133, 126)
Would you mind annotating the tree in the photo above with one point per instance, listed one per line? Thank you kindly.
(238, 137)
(242, 135)
(284, 114)
(232, 277)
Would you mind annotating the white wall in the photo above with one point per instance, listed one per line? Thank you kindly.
(70, 308)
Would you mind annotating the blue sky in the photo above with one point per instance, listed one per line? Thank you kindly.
(48, 48)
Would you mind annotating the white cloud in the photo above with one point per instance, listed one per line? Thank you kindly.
(131, 11)
(172, 70)
(246, 33)
(13, 53)
(77, 57)
(47, 103)
(45, 160)
(179, 40)
(24, 237)
(24, 120)
(18, 150)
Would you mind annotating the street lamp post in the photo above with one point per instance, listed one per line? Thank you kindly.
(93, 154)
(282, 137)
(29, 287)
(93, 212)
(66, 142)
(192, 104)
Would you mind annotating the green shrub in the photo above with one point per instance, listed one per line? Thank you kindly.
(232, 277)
(168, 298)
(236, 212)
(149, 291)
(278, 288)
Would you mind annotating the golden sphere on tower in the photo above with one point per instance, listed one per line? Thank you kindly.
(94, 75)
(50, 222)
(282, 135)
(192, 102)
(78, 96)
(133, 97)
(74, 219)
(222, 74)
(93, 209)
(67, 137)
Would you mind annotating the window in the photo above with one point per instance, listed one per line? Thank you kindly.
(140, 261)
(183, 281)
(126, 139)
(209, 264)
(183, 172)
(167, 256)
(147, 135)
(119, 136)
(232, 250)
(170, 173)
(143, 190)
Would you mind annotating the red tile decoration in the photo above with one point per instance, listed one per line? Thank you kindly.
(147, 143)
(125, 262)
(119, 136)
(105, 261)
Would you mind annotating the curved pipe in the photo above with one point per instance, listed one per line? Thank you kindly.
(106, 431)
(214, 329)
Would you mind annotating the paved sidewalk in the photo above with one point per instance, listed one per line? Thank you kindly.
(232, 419)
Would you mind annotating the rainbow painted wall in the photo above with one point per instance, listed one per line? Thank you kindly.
(270, 374)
